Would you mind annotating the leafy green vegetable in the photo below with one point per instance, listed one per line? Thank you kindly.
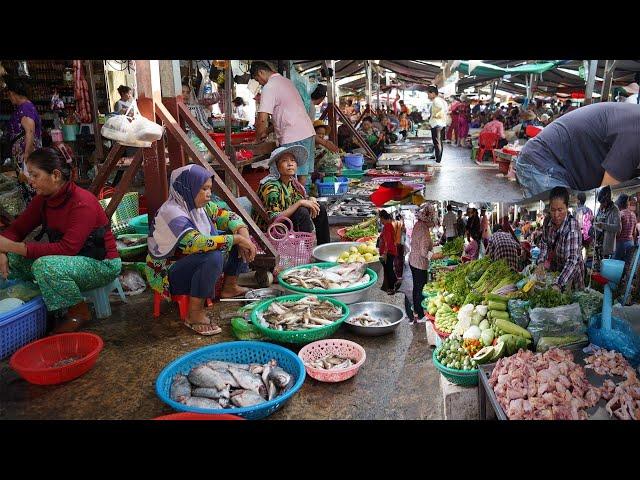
(453, 247)
(548, 298)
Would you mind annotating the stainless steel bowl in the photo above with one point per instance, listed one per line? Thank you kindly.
(375, 309)
(329, 252)
(348, 298)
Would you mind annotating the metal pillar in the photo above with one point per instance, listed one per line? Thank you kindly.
(155, 172)
(171, 86)
(94, 104)
(609, 68)
(331, 99)
(591, 81)
(369, 81)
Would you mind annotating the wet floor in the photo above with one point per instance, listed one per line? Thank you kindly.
(460, 179)
(397, 381)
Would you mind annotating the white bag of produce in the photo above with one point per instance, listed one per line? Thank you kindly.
(556, 322)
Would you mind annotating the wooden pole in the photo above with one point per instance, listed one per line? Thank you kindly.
(331, 97)
(94, 101)
(171, 87)
(609, 68)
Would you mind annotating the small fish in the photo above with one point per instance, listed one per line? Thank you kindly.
(201, 402)
(203, 376)
(180, 388)
(273, 390)
(247, 398)
(279, 377)
(256, 368)
(248, 380)
(212, 393)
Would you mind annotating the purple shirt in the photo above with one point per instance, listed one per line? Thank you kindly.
(27, 109)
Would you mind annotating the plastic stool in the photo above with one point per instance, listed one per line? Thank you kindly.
(100, 297)
(181, 300)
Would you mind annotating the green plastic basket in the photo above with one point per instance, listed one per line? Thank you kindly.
(297, 336)
(140, 224)
(135, 251)
(464, 378)
(127, 209)
(319, 291)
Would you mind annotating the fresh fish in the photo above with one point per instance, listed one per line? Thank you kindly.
(256, 368)
(280, 378)
(308, 312)
(273, 391)
(211, 393)
(340, 276)
(204, 376)
(180, 388)
(201, 402)
(247, 398)
(332, 362)
(248, 381)
(366, 320)
(218, 365)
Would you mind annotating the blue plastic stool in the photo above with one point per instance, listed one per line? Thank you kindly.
(100, 297)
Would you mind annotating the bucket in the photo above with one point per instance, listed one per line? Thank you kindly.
(354, 160)
(69, 132)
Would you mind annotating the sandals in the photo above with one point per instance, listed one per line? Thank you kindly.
(204, 329)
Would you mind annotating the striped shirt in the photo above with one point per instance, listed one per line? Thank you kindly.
(567, 241)
(629, 221)
(502, 246)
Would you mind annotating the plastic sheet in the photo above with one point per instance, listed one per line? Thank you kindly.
(132, 282)
(620, 337)
(556, 322)
(519, 312)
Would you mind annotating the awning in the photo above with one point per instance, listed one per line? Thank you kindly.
(481, 69)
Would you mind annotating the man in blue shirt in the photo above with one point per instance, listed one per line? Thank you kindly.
(591, 147)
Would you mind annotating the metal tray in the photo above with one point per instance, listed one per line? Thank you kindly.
(348, 298)
(381, 309)
(485, 392)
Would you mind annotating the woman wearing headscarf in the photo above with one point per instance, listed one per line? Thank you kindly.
(284, 196)
(192, 226)
(421, 251)
(606, 225)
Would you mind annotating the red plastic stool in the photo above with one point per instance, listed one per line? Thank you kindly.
(181, 300)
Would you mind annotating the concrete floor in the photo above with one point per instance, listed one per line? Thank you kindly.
(397, 381)
(460, 179)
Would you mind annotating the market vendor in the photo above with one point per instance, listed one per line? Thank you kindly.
(593, 146)
(327, 161)
(561, 243)
(283, 195)
(471, 250)
(502, 246)
(281, 100)
(607, 225)
(421, 252)
(193, 226)
(496, 126)
(80, 252)
(371, 135)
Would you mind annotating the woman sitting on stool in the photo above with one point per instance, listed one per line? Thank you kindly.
(193, 224)
(80, 253)
(283, 196)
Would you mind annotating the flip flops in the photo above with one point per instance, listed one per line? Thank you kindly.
(205, 329)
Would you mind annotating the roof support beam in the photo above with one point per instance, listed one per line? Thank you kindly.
(609, 68)
(591, 81)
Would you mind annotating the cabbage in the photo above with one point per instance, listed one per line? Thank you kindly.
(473, 332)
(484, 325)
(486, 337)
(476, 318)
(482, 310)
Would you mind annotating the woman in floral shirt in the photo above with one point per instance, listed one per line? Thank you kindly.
(190, 225)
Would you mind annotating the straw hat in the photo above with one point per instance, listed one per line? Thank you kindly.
(320, 123)
(528, 115)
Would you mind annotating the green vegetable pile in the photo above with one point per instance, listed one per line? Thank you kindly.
(452, 354)
(368, 228)
(446, 318)
(453, 247)
(548, 298)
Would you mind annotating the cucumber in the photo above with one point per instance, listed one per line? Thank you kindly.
(508, 327)
(497, 305)
(493, 297)
(499, 314)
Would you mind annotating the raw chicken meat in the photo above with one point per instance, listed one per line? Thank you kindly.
(607, 362)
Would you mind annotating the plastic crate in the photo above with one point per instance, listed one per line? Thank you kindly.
(236, 138)
(333, 189)
(352, 173)
(21, 326)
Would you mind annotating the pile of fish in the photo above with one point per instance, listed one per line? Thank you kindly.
(218, 384)
(543, 386)
(366, 320)
(126, 242)
(332, 362)
(352, 208)
(66, 361)
(347, 275)
(308, 312)
(607, 362)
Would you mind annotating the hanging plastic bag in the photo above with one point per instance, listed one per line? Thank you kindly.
(132, 282)
(141, 129)
(556, 322)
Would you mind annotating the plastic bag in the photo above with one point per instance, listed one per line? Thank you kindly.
(590, 302)
(24, 291)
(132, 282)
(620, 337)
(244, 330)
(546, 343)
(556, 322)
(519, 312)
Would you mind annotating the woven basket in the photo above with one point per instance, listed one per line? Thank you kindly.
(464, 378)
(127, 209)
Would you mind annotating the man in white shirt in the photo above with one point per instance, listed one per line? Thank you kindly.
(449, 222)
(281, 100)
(438, 120)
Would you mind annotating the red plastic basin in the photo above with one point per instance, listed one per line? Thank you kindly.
(35, 362)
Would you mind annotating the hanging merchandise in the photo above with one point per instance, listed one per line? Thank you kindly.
(81, 91)
(132, 129)
(23, 70)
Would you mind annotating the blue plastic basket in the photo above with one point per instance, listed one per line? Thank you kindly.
(238, 352)
(21, 326)
(354, 160)
(329, 189)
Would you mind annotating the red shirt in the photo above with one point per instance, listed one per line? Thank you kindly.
(388, 240)
(628, 221)
(73, 211)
